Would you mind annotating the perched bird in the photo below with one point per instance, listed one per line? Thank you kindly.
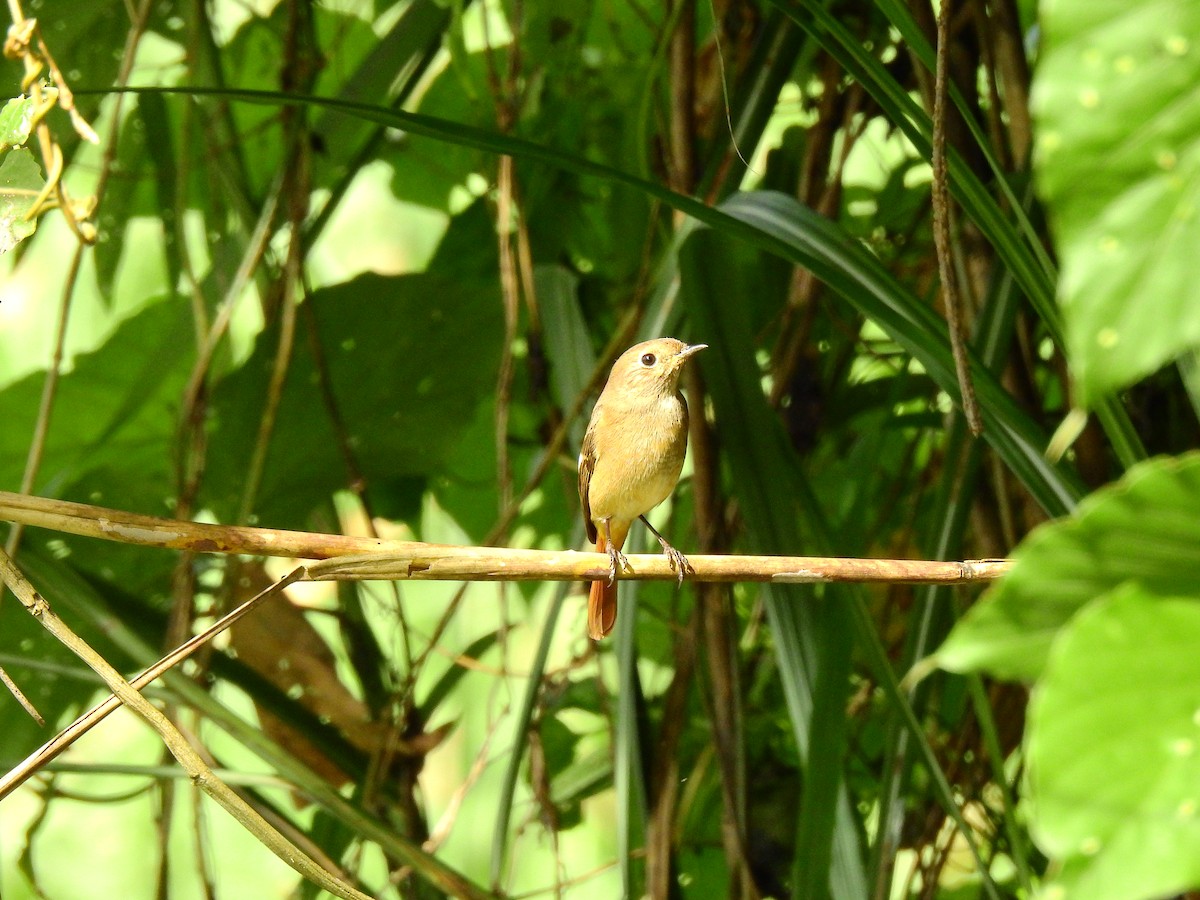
(631, 458)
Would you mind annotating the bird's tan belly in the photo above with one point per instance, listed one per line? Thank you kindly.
(626, 484)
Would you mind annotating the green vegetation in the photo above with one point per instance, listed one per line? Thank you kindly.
(359, 267)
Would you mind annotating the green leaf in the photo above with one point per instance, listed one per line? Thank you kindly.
(1114, 749)
(114, 411)
(408, 360)
(1119, 167)
(388, 68)
(1144, 528)
(426, 171)
(16, 122)
(567, 345)
(146, 190)
(20, 183)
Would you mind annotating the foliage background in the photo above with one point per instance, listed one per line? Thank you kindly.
(425, 268)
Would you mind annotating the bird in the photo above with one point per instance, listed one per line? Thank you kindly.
(630, 460)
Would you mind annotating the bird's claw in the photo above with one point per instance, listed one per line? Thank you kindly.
(616, 560)
(678, 562)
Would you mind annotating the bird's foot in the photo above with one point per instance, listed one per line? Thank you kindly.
(616, 561)
(678, 562)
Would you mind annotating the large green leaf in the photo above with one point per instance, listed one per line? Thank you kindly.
(1144, 529)
(109, 440)
(1118, 158)
(408, 360)
(1114, 749)
(115, 410)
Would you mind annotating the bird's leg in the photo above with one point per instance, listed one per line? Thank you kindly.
(616, 559)
(678, 562)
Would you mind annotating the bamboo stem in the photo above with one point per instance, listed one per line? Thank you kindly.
(355, 558)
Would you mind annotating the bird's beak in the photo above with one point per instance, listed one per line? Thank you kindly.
(689, 350)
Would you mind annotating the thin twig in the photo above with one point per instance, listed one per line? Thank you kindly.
(20, 697)
(41, 428)
(24, 42)
(941, 230)
(682, 52)
(256, 248)
(52, 157)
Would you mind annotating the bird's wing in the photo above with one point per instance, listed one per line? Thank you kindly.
(587, 465)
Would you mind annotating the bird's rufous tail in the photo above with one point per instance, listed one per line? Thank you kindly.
(602, 601)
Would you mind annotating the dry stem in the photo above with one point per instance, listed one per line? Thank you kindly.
(352, 558)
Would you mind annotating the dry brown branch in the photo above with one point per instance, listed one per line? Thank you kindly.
(352, 558)
(941, 232)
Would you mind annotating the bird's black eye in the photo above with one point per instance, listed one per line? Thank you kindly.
(649, 359)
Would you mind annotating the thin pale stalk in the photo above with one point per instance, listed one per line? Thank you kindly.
(349, 558)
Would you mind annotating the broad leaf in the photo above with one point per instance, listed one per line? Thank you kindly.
(1119, 167)
(1144, 529)
(115, 412)
(408, 360)
(1114, 749)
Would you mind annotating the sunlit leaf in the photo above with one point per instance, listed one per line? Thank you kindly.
(16, 121)
(20, 183)
(119, 404)
(1114, 749)
(1119, 168)
(1143, 528)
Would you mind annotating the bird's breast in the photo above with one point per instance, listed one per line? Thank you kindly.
(639, 455)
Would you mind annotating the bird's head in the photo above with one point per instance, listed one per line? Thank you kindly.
(653, 366)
